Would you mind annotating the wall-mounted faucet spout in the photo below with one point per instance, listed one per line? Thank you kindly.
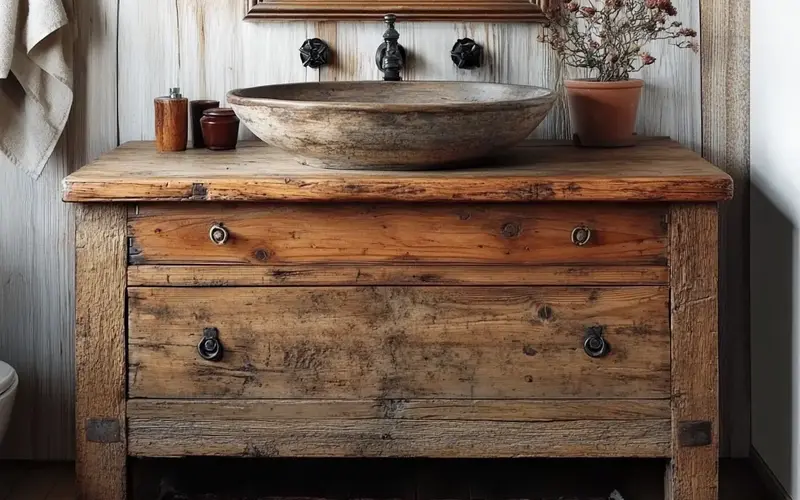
(391, 56)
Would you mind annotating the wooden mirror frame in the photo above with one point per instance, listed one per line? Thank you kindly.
(406, 10)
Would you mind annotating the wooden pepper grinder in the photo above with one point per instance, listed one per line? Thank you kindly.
(172, 121)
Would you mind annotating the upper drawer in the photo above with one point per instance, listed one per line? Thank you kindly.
(309, 233)
(400, 342)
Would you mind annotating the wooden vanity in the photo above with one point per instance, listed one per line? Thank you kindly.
(556, 302)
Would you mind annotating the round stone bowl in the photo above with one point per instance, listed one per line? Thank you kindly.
(391, 125)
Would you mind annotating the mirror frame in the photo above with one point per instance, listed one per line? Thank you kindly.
(406, 10)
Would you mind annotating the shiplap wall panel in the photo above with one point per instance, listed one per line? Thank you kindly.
(208, 50)
(148, 62)
(36, 308)
(726, 143)
(671, 102)
(37, 248)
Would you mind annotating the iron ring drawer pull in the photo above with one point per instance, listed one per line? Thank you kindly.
(210, 348)
(581, 235)
(218, 234)
(594, 345)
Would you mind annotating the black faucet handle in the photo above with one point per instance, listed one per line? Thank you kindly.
(466, 54)
(390, 19)
(314, 53)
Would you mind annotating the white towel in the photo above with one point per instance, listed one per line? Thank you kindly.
(35, 81)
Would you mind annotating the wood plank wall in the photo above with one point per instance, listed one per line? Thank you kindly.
(130, 51)
(37, 247)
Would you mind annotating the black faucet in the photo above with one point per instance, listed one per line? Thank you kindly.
(391, 56)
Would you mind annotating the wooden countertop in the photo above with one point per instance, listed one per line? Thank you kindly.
(655, 170)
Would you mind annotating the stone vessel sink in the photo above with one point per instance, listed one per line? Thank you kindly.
(391, 125)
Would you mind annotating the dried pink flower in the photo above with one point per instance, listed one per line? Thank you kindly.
(647, 59)
(662, 5)
(608, 36)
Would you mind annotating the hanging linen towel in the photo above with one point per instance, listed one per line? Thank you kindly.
(35, 81)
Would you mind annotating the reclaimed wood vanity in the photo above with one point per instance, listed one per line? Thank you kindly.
(555, 302)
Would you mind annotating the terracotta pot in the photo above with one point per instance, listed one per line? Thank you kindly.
(603, 114)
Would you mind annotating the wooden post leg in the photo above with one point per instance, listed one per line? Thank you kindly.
(100, 352)
(693, 471)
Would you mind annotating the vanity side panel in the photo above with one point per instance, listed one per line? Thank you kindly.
(693, 472)
(101, 447)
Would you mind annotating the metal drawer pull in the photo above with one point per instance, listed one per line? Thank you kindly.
(210, 348)
(581, 235)
(594, 345)
(218, 234)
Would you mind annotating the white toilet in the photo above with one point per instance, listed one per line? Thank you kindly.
(8, 388)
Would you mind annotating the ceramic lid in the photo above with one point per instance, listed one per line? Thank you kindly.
(219, 112)
(7, 377)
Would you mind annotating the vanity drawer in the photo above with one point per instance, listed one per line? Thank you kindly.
(515, 233)
(399, 342)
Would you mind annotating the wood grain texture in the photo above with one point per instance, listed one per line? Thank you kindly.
(216, 435)
(37, 246)
(423, 10)
(656, 170)
(353, 233)
(725, 54)
(395, 274)
(100, 348)
(694, 320)
(404, 409)
(398, 342)
(171, 124)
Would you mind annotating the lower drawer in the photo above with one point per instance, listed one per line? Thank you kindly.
(399, 428)
(400, 342)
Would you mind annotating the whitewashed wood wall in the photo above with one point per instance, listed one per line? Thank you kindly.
(204, 47)
(37, 248)
(130, 51)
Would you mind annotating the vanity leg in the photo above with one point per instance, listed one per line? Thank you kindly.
(100, 260)
(693, 472)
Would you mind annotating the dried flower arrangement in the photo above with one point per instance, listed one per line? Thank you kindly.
(607, 36)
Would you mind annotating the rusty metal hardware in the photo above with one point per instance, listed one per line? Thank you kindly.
(581, 235)
(391, 56)
(594, 345)
(466, 54)
(695, 433)
(314, 53)
(103, 430)
(218, 234)
(210, 348)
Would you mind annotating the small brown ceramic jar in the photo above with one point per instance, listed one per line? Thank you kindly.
(220, 128)
(196, 109)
